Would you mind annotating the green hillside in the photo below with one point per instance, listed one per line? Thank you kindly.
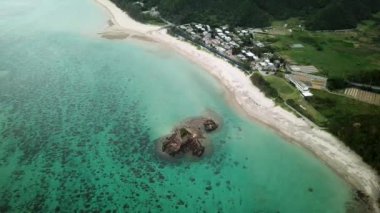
(318, 14)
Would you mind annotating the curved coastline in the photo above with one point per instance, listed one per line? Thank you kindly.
(252, 102)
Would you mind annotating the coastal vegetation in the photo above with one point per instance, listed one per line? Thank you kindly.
(356, 123)
(352, 121)
(294, 99)
(265, 87)
(318, 14)
(139, 12)
(343, 57)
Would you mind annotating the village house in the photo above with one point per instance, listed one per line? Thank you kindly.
(223, 40)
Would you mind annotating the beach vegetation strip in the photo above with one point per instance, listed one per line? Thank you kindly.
(265, 87)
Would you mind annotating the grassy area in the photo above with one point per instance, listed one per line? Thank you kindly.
(333, 103)
(265, 87)
(355, 123)
(285, 90)
(335, 54)
(288, 92)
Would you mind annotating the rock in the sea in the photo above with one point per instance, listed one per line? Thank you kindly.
(210, 125)
(189, 137)
(183, 140)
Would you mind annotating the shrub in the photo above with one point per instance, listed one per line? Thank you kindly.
(336, 83)
(264, 86)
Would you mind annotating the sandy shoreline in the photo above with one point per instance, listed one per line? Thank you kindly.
(249, 98)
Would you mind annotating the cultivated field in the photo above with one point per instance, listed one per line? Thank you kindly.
(336, 54)
(365, 96)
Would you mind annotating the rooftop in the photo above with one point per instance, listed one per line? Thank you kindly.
(303, 69)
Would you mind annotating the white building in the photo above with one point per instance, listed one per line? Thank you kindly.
(300, 86)
(259, 44)
(251, 55)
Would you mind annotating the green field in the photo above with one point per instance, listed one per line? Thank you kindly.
(335, 54)
(288, 92)
(285, 90)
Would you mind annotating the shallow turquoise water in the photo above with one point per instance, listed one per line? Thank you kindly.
(79, 114)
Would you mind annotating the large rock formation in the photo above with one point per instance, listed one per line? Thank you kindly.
(183, 140)
(189, 137)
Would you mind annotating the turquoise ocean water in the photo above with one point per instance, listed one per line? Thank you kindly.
(79, 114)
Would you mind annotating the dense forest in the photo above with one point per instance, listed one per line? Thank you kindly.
(318, 14)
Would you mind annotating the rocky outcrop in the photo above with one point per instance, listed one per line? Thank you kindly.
(210, 125)
(189, 137)
(183, 141)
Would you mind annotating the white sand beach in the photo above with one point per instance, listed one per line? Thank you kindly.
(249, 98)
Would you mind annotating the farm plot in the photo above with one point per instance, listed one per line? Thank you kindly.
(365, 96)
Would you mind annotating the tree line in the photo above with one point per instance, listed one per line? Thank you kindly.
(318, 14)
